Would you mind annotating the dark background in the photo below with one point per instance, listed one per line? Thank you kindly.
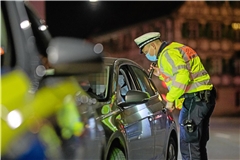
(83, 18)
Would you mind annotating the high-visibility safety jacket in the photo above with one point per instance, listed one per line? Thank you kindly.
(182, 71)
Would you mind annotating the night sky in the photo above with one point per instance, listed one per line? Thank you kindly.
(83, 18)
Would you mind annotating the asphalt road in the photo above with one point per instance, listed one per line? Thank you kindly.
(224, 143)
(224, 140)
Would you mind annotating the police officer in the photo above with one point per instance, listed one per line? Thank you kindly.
(180, 67)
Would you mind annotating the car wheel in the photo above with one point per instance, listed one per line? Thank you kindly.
(117, 154)
(172, 150)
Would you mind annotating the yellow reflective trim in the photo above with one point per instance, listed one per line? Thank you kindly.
(198, 74)
(179, 85)
(198, 86)
(182, 67)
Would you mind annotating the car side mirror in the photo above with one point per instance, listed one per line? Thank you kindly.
(71, 56)
(134, 97)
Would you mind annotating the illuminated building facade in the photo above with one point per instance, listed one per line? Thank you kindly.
(212, 28)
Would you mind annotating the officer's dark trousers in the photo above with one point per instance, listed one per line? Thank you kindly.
(193, 145)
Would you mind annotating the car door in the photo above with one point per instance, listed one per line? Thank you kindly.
(137, 121)
(155, 106)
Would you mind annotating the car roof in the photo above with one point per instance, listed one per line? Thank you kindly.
(118, 61)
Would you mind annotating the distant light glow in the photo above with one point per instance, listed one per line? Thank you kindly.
(236, 26)
(14, 119)
(42, 27)
(93, 0)
(98, 48)
(40, 70)
(25, 24)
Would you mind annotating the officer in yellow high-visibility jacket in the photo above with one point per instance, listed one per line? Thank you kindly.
(181, 69)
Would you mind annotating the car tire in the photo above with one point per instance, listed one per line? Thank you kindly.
(117, 154)
(172, 150)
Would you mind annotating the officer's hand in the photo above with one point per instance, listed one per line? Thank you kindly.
(170, 106)
(156, 70)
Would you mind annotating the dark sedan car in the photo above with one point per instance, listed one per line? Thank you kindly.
(132, 113)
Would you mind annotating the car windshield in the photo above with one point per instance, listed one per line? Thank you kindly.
(96, 85)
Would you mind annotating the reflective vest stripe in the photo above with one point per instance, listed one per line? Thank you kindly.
(166, 76)
(198, 74)
(179, 85)
(182, 67)
(190, 86)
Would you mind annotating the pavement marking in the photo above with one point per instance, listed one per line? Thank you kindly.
(221, 135)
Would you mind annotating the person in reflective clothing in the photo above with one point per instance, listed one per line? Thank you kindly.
(180, 67)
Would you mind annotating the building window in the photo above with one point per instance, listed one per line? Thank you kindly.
(231, 68)
(112, 44)
(126, 41)
(215, 3)
(190, 30)
(227, 31)
(235, 63)
(234, 4)
(216, 66)
(225, 66)
(236, 31)
(237, 99)
(207, 64)
(216, 30)
(237, 66)
(213, 30)
(201, 30)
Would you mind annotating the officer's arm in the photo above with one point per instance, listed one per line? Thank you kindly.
(175, 67)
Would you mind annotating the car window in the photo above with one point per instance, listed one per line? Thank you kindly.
(143, 82)
(123, 84)
(96, 84)
(124, 70)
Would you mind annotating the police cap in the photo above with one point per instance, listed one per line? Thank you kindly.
(146, 38)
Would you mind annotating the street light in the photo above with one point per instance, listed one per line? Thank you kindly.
(93, 4)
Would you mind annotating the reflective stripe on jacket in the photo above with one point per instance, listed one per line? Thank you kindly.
(182, 71)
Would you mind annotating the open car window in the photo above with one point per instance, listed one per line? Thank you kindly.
(96, 85)
(143, 82)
